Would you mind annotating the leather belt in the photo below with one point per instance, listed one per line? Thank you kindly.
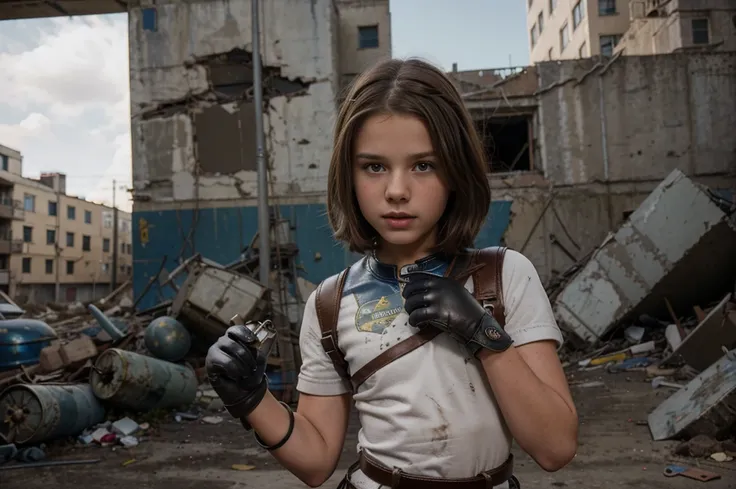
(395, 478)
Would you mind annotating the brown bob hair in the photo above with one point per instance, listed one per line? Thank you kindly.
(417, 88)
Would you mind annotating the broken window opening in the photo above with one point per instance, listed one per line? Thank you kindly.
(507, 142)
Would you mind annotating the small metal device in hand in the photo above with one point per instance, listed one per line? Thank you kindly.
(403, 276)
(264, 331)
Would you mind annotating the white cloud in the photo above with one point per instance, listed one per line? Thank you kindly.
(65, 102)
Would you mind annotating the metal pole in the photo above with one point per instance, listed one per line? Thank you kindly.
(114, 278)
(264, 227)
(57, 250)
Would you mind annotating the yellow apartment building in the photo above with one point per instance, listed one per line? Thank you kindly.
(571, 29)
(53, 246)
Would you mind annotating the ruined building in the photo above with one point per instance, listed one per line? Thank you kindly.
(575, 146)
(193, 123)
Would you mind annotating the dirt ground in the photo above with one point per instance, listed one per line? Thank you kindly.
(615, 451)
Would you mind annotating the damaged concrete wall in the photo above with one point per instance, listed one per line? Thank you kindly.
(640, 119)
(651, 114)
(191, 97)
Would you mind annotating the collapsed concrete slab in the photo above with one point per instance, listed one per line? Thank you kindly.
(678, 245)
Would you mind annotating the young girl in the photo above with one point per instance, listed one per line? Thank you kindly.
(408, 185)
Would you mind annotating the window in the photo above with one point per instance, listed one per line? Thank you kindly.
(581, 51)
(124, 226)
(540, 21)
(52, 208)
(86, 243)
(88, 217)
(368, 37)
(50, 236)
(552, 6)
(69, 267)
(4, 161)
(29, 202)
(71, 212)
(533, 34)
(26, 265)
(70, 239)
(608, 43)
(564, 37)
(606, 7)
(27, 234)
(106, 245)
(49, 266)
(105, 267)
(107, 220)
(578, 14)
(701, 32)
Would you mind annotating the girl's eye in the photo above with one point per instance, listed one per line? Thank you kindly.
(423, 166)
(373, 167)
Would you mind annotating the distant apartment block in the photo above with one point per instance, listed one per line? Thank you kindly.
(670, 26)
(569, 29)
(36, 217)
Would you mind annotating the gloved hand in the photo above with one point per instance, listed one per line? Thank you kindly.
(446, 304)
(237, 370)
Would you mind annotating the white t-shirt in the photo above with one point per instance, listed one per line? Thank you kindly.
(432, 411)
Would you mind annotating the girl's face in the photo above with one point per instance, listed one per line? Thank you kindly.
(398, 182)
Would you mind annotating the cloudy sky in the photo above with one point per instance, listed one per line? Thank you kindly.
(64, 100)
(64, 96)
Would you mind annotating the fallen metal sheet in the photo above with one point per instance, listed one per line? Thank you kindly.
(704, 345)
(678, 245)
(706, 405)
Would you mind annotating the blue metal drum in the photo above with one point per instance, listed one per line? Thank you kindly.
(167, 339)
(21, 341)
(142, 383)
(34, 413)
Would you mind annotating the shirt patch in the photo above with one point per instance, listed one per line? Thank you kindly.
(374, 316)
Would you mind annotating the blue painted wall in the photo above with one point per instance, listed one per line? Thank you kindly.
(221, 234)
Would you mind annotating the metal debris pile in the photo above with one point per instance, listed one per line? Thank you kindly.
(658, 296)
(104, 373)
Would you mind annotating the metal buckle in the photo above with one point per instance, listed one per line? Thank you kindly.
(333, 346)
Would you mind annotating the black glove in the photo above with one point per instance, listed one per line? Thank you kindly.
(237, 371)
(446, 304)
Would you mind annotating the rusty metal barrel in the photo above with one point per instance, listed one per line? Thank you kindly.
(35, 413)
(142, 383)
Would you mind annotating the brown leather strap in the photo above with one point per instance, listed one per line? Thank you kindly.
(396, 478)
(488, 280)
(485, 266)
(397, 351)
(327, 303)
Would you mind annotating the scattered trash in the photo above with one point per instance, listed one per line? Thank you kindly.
(721, 457)
(662, 382)
(691, 473)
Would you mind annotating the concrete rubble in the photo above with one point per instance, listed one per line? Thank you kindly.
(657, 297)
(104, 374)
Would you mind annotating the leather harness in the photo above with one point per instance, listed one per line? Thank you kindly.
(485, 266)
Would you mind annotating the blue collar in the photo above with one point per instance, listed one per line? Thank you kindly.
(436, 264)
